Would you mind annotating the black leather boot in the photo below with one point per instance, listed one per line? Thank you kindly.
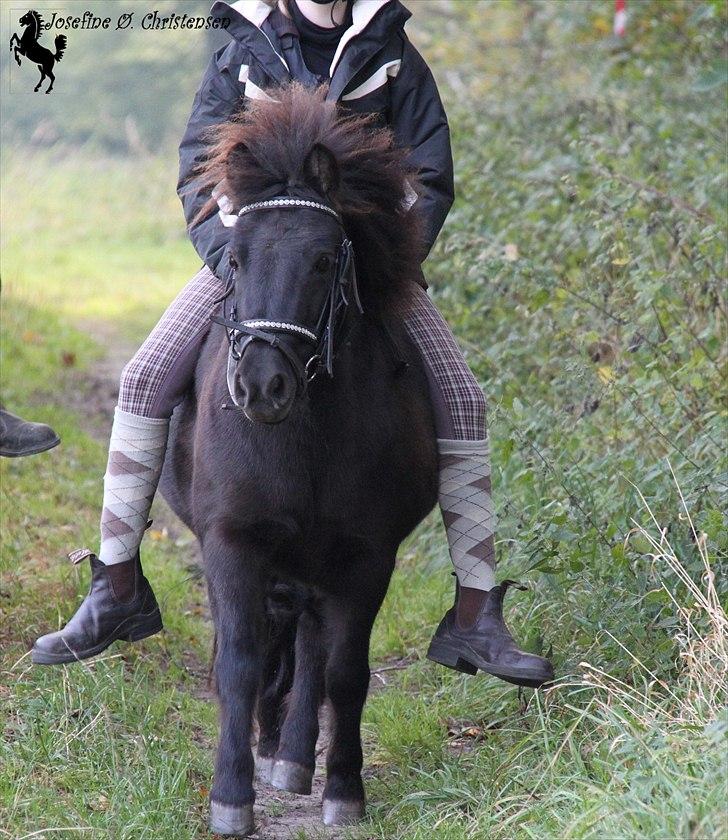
(120, 605)
(487, 644)
(19, 437)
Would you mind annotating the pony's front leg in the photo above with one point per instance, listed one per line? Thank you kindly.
(349, 619)
(236, 598)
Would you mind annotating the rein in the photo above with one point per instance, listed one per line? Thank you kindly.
(241, 334)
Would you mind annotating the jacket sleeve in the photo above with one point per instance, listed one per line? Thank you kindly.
(419, 123)
(217, 99)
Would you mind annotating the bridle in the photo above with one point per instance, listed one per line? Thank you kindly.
(241, 334)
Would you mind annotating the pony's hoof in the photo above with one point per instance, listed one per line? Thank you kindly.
(231, 820)
(341, 812)
(264, 767)
(295, 778)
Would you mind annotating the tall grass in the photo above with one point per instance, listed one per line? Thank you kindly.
(667, 738)
(628, 752)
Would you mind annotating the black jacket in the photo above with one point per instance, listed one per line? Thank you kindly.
(376, 70)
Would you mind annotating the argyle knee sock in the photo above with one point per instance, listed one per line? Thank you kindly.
(136, 455)
(467, 510)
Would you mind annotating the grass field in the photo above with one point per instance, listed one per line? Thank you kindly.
(583, 269)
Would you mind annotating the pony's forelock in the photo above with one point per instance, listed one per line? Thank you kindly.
(263, 150)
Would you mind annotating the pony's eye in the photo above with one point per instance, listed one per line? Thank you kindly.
(233, 263)
(323, 264)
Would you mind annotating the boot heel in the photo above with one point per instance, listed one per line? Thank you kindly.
(146, 626)
(443, 655)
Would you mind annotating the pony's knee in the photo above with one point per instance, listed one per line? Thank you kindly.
(347, 681)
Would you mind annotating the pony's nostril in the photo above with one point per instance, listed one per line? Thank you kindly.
(276, 387)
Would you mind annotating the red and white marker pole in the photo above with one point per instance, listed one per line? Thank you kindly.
(620, 17)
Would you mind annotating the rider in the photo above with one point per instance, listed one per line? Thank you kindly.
(358, 48)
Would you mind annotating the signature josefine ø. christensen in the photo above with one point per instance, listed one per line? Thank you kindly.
(151, 20)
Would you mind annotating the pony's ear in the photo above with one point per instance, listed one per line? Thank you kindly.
(321, 171)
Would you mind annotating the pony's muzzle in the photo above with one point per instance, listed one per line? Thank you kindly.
(264, 384)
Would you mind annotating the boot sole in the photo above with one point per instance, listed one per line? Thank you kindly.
(32, 450)
(468, 662)
(144, 626)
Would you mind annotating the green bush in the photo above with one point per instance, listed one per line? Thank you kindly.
(583, 266)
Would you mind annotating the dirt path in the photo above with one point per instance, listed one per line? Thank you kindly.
(279, 815)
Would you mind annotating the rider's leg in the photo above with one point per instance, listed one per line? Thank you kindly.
(120, 603)
(152, 383)
(473, 634)
(462, 439)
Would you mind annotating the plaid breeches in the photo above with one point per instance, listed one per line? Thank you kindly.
(158, 375)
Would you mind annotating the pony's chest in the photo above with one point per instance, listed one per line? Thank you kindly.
(330, 472)
(333, 474)
(350, 466)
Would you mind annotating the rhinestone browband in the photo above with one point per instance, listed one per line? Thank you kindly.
(288, 202)
(282, 326)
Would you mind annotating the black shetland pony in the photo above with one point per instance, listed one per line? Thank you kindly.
(301, 495)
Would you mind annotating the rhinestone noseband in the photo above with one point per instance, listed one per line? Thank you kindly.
(242, 333)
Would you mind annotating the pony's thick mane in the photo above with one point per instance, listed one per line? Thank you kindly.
(262, 151)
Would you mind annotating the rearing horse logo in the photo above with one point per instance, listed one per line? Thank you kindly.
(27, 45)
